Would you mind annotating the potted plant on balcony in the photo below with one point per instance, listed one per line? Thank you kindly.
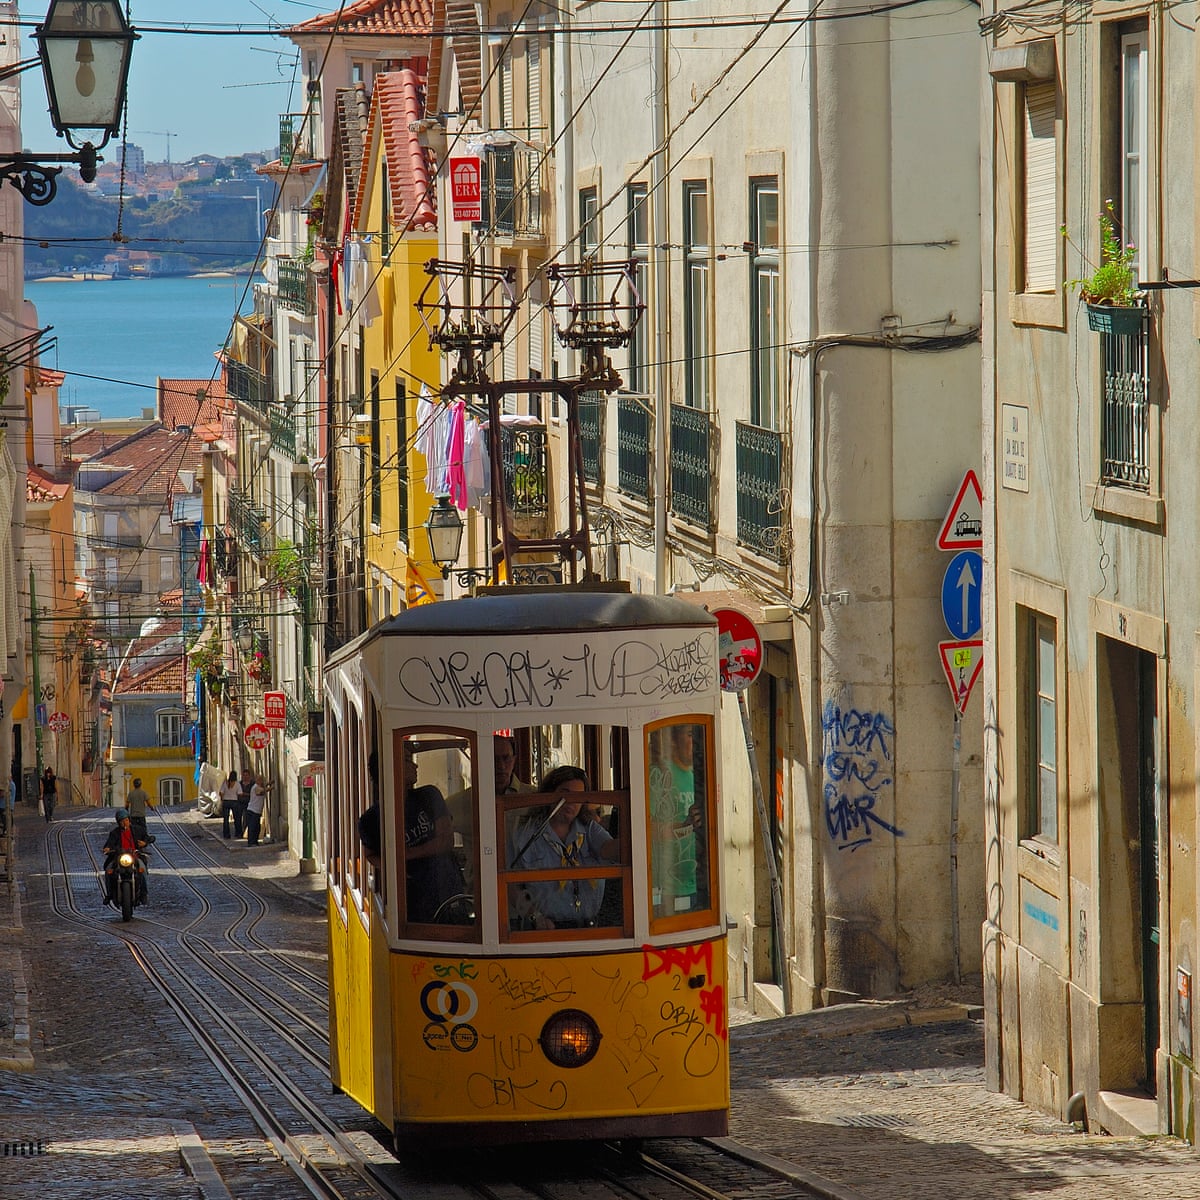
(1114, 305)
(209, 659)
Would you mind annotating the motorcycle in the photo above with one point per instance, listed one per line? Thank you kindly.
(129, 881)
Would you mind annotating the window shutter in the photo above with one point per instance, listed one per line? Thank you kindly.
(533, 60)
(1041, 168)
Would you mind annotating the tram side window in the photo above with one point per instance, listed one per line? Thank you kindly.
(678, 800)
(429, 766)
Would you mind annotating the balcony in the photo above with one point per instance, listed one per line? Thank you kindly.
(296, 285)
(523, 461)
(246, 520)
(248, 385)
(635, 435)
(295, 138)
(511, 193)
(760, 455)
(692, 445)
(283, 429)
(114, 541)
(591, 436)
(1125, 428)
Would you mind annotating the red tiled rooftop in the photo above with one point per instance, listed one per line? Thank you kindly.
(49, 378)
(149, 461)
(412, 17)
(41, 488)
(178, 402)
(165, 675)
(397, 102)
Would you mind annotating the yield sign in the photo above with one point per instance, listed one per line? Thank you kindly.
(963, 527)
(962, 662)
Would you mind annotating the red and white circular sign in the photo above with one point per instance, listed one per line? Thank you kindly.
(58, 721)
(739, 648)
(257, 736)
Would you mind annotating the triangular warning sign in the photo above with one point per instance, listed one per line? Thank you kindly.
(963, 527)
(962, 663)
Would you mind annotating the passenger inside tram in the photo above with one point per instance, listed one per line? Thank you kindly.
(678, 871)
(435, 888)
(560, 835)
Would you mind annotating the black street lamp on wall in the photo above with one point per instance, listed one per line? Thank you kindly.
(84, 47)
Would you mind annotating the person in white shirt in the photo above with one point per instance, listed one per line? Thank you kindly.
(228, 791)
(254, 810)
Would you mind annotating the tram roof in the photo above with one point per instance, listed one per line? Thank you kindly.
(541, 610)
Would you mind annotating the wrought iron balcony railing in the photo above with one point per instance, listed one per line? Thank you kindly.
(283, 429)
(761, 456)
(295, 137)
(523, 457)
(296, 285)
(511, 192)
(1125, 428)
(692, 445)
(591, 436)
(247, 520)
(248, 385)
(635, 436)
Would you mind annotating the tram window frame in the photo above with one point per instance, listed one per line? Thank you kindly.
(622, 870)
(432, 738)
(706, 914)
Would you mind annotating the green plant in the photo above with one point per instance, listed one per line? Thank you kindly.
(286, 566)
(209, 659)
(1113, 282)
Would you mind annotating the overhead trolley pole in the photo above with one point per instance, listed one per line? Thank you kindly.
(467, 309)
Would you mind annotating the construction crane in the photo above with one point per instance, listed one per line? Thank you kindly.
(158, 133)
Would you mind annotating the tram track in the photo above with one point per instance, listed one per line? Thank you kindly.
(274, 1056)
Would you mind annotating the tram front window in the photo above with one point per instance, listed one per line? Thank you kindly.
(563, 849)
(677, 780)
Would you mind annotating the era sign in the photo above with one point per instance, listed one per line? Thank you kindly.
(465, 189)
(275, 710)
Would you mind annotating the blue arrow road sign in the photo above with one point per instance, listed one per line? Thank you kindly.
(962, 589)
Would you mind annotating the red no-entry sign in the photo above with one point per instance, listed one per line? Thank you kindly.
(739, 648)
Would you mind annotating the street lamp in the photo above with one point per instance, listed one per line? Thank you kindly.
(84, 48)
(245, 637)
(445, 529)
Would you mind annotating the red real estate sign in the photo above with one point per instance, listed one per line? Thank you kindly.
(275, 710)
(465, 189)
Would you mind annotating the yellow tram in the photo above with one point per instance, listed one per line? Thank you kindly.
(517, 964)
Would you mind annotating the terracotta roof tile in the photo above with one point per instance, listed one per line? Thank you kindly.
(166, 675)
(352, 112)
(49, 378)
(42, 488)
(149, 462)
(462, 24)
(398, 100)
(178, 403)
(374, 16)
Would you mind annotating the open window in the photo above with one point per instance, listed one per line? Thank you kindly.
(565, 865)
(680, 800)
(429, 765)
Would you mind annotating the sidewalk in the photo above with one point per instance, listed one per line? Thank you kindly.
(873, 1101)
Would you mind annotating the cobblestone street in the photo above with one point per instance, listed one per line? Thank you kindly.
(881, 1101)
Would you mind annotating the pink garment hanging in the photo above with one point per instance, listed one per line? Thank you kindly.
(456, 476)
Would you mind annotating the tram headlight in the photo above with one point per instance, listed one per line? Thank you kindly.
(570, 1038)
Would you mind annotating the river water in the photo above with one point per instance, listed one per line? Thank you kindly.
(116, 337)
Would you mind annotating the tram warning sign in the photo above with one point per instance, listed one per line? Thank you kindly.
(963, 527)
(739, 648)
(465, 190)
(962, 663)
(257, 736)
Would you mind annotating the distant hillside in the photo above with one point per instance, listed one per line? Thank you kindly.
(195, 229)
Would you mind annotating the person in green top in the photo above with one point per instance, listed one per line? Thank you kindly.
(676, 818)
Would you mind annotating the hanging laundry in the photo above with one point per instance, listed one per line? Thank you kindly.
(456, 479)
(476, 464)
(433, 440)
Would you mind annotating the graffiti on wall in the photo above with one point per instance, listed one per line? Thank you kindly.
(856, 749)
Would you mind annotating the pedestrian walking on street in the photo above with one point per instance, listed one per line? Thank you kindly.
(228, 792)
(136, 807)
(49, 793)
(243, 799)
(254, 811)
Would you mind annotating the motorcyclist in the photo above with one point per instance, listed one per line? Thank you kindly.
(122, 837)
